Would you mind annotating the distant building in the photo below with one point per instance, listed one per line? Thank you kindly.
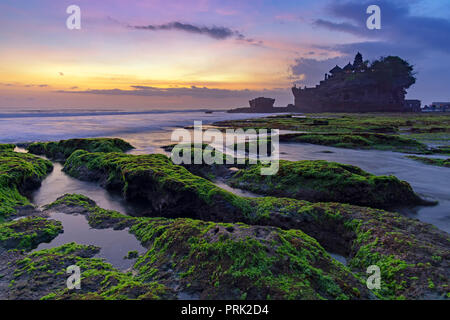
(261, 104)
(441, 106)
(358, 87)
(412, 105)
(264, 105)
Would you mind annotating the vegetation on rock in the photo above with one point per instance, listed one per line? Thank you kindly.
(432, 161)
(20, 173)
(170, 190)
(409, 253)
(326, 181)
(7, 147)
(338, 129)
(211, 260)
(28, 232)
(61, 150)
(376, 141)
(42, 275)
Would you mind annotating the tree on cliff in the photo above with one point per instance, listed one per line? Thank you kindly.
(393, 73)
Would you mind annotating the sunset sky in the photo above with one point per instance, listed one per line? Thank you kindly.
(171, 54)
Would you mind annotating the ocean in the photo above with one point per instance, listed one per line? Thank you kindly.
(148, 131)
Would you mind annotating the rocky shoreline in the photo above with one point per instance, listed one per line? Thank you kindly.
(206, 243)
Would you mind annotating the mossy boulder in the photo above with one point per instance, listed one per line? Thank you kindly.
(356, 131)
(42, 275)
(322, 181)
(20, 174)
(168, 189)
(61, 150)
(410, 254)
(7, 147)
(97, 217)
(432, 161)
(209, 171)
(376, 141)
(209, 260)
(28, 233)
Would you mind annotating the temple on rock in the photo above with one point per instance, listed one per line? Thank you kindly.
(360, 87)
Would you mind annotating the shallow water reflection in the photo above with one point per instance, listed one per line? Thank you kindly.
(431, 182)
(114, 244)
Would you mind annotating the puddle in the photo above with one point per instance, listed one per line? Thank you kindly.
(58, 183)
(114, 244)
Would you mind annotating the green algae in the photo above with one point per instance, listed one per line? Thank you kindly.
(154, 178)
(246, 256)
(97, 217)
(377, 141)
(326, 181)
(360, 131)
(229, 260)
(405, 250)
(27, 233)
(19, 174)
(44, 272)
(63, 149)
(432, 161)
(7, 147)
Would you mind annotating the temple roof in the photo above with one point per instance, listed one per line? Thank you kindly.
(336, 69)
(348, 67)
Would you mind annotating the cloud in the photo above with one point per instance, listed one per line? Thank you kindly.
(215, 32)
(309, 72)
(398, 25)
(193, 91)
(218, 33)
(24, 85)
(344, 26)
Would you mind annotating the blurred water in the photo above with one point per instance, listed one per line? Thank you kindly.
(114, 244)
(26, 127)
(149, 131)
(431, 182)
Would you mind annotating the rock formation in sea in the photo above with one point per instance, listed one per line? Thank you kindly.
(379, 86)
(361, 87)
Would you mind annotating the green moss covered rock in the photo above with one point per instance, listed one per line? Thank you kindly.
(20, 174)
(59, 151)
(376, 141)
(28, 233)
(327, 182)
(432, 161)
(7, 147)
(169, 190)
(209, 260)
(408, 252)
(358, 131)
(42, 275)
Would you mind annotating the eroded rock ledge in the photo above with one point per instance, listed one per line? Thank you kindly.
(413, 256)
(210, 260)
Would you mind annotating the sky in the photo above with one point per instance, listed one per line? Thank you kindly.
(182, 54)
